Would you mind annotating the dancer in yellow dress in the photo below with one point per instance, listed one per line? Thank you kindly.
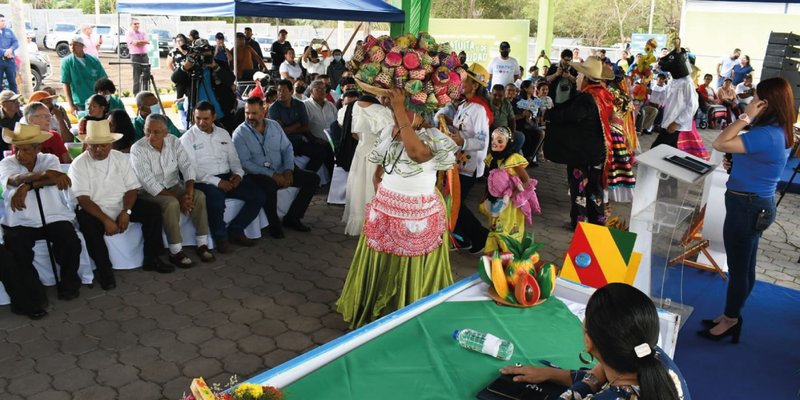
(511, 199)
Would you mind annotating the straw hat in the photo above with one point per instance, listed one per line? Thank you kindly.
(479, 74)
(594, 69)
(372, 89)
(25, 134)
(40, 95)
(99, 132)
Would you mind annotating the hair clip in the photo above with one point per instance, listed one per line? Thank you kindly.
(643, 350)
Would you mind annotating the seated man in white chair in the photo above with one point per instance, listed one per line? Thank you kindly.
(321, 114)
(157, 161)
(266, 154)
(24, 223)
(220, 176)
(106, 190)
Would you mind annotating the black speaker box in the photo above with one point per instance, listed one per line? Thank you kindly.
(784, 38)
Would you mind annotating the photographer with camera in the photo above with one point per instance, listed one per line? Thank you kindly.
(562, 78)
(205, 79)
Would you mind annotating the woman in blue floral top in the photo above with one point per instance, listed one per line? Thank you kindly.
(620, 331)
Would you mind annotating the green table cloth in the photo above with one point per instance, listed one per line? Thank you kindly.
(420, 359)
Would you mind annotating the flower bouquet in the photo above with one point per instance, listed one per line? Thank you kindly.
(245, 391)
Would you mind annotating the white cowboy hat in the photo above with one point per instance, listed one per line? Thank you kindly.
(594, 69)
(99, 132)
(259, 76)
(25, 134)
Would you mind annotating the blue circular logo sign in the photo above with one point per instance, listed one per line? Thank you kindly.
(583, 260)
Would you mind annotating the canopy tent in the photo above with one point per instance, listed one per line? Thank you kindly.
(341, 10)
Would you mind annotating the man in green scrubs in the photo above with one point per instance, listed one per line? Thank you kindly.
(79, 72)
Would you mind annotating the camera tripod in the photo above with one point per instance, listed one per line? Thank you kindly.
(145, 79)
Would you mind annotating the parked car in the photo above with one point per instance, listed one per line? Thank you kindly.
(40, 69)
(164, 39)
(29, 29)
(59, 30)
(111, 43)
(266, 46)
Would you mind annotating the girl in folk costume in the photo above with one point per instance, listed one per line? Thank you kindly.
(402, 254)
(511, 200)
(367, 120)
(471, 134)
(620, 178)
(678, 121)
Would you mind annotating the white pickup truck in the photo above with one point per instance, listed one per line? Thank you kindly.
(59, 36)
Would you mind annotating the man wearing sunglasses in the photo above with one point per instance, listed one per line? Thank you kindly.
(562, 78)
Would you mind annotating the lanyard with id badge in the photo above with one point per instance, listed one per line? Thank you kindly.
(261, 139)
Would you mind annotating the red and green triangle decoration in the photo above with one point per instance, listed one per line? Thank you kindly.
(599, 255)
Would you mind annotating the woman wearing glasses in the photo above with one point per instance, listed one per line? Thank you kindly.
(402, 254)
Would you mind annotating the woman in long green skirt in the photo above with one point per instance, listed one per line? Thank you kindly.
(402, 254)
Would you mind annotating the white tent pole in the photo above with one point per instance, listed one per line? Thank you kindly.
(235, 61)
(119, 50)
(652, 11)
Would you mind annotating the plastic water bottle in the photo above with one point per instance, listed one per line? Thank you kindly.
(485, 343)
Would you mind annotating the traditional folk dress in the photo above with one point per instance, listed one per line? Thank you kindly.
(402, 254)
(681, 106)
(508, 208)
(368, 123)
(620, 178)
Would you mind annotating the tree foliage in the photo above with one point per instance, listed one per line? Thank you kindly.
(594, 22)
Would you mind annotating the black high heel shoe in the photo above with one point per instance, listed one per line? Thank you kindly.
(734, 331)
(708, 323)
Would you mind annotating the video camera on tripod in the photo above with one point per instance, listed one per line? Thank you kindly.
(146, 78)
(200, 54)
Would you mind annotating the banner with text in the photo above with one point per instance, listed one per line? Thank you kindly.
(480, 38)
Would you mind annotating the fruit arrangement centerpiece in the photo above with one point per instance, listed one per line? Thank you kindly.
(425, 70)
(518, 277)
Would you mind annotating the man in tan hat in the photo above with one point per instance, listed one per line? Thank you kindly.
(105, 187)
(10, 114)
(27, 170)
(38, 114)
(159, 160)
(577, 137)
(59, 121)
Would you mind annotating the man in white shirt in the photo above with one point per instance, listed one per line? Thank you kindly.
(21, 174)
(220, 176)
(725, 66)
(504, 69)
(157, 160)
(745, 91)
(655, 104)
(105, 187)
(321, 114)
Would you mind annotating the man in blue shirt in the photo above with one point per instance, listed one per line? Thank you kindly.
(8, 44)
(267, 155)
(291, 114)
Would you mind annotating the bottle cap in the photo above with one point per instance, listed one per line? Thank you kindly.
(455, 334)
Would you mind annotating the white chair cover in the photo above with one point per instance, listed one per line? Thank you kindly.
(338, 189)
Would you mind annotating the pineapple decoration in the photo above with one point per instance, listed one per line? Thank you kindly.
(415, 63)
(518, 277)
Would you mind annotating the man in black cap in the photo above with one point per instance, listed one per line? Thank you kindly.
(279, 49)
(504, 69)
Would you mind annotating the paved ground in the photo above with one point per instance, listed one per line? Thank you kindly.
(247, 312)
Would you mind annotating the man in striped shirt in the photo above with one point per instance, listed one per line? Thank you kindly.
(157, 161)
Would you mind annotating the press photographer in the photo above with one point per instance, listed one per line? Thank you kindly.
(203, 78)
